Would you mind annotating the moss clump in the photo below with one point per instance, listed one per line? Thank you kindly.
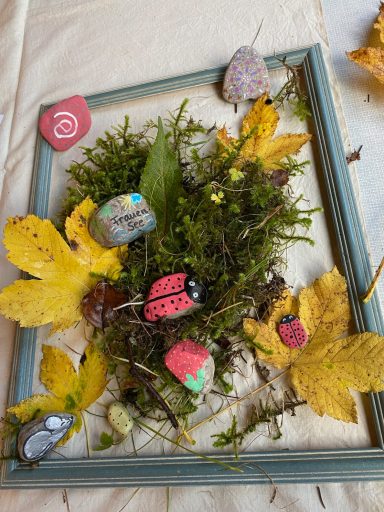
(231, 229)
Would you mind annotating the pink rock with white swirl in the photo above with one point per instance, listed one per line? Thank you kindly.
(65, 123)
(246, 76)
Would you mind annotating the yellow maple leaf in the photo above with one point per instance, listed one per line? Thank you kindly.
(372, 58)
(324, 306)
(379, 25)
(72, 392)
(323, 371)
(257, 143)
(64, 275)
(265, 337)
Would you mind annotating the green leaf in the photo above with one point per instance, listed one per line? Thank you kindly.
(161, 181)
(106, 441)
(195, 385)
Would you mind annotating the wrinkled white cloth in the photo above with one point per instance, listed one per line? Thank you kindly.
(52, 49)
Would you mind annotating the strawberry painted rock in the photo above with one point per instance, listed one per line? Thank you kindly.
(192, 365)
(246, 76)
(174, 296)
(121, 220)
(65, 123)
(292, 332)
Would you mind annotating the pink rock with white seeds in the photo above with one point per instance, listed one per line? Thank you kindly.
(65, 123)
(192, 364)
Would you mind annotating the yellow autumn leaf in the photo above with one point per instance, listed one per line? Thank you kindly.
(72, 392)
(324, 372)
(379, 25)
(324, 306)
(325, 369)
(257, 143)
(102, 261)
(267, 343)
(264, 336)
(64, 275)
(372, 59)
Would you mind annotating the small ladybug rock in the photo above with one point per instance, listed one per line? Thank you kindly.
(173, 296)
(292, 332)
(192, 364)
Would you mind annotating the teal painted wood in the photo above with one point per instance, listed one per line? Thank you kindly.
(284, 466)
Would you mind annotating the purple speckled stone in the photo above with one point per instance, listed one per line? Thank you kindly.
(246, 76)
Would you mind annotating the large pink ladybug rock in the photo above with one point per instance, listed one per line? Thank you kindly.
(292, 332)
(173, 296)
(192, 364)
(65, 123)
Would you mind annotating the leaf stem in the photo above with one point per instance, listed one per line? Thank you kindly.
(201, 455)
(86, 435)
(251, 393)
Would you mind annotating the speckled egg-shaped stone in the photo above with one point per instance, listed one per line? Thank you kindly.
(192, 364)
(121, 220)
(246, 76)
(119, 418)
(39, 436)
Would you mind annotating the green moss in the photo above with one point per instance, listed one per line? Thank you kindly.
(234, 244)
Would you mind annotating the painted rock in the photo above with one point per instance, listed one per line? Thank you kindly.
(65, 123)
(246, 76)
(119, 418)
(121, 220)
(192, 364)
(39, 436)
(174, 296)
(292, 332)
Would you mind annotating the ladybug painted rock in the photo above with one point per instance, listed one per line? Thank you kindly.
(292, 332)
(173, 296)
(192, 364)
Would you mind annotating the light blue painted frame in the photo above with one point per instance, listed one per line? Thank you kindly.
(281, 466)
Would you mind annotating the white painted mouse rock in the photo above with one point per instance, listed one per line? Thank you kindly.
(192, 364)
(39, 436)
(246, 76)
(119, 418)
(121, 220)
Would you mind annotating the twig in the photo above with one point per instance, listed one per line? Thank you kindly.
(222, 311)
(320, 497)
(355, 155)
(251, 393)
(263, 373)
(368, 294)
(135, 373)
(136, 364)
(65, 500)
(130, 498)
(205, 457)
(263, 222)
(86, 435)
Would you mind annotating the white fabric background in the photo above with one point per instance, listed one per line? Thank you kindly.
(350, 26)
(48, 48)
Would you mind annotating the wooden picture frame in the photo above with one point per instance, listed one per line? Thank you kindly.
(333, 465)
